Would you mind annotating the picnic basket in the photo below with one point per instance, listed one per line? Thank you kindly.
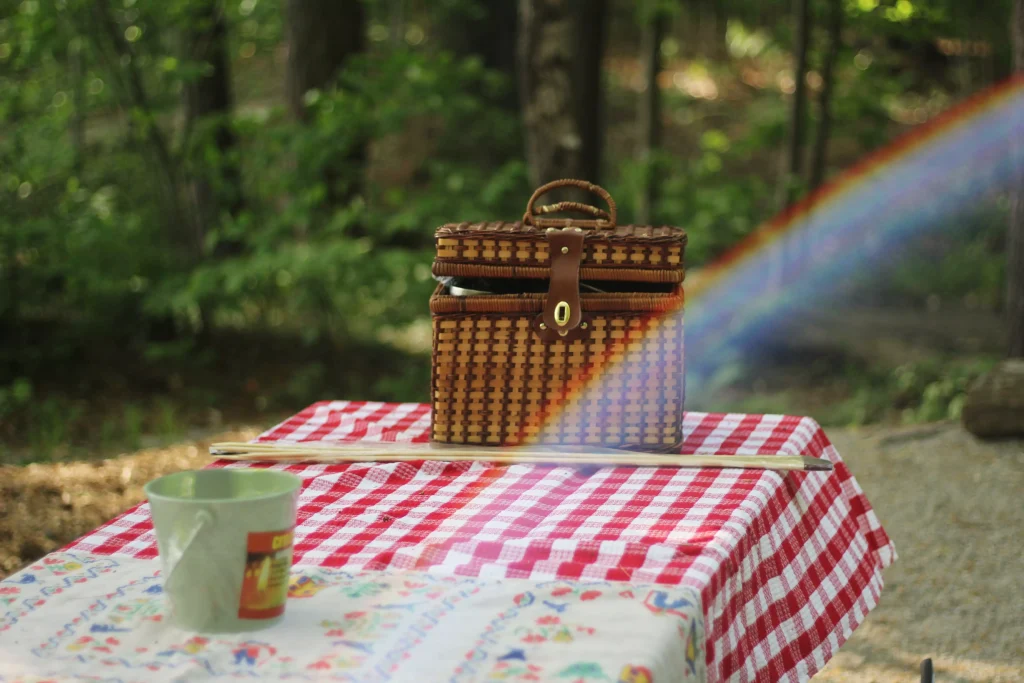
(558, 329)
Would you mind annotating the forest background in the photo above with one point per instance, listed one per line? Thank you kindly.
(220, 211)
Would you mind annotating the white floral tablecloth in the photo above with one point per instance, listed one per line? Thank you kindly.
(76, 616)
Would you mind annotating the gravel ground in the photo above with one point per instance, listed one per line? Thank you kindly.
(953, 505)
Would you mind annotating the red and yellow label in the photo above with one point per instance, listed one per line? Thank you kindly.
(267, 565)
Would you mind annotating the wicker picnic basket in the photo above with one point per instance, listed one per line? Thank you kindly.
(559, 330)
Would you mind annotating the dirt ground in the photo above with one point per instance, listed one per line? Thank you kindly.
(953, 505)
(45, 506)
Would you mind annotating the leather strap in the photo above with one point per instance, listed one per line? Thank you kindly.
(562, 310)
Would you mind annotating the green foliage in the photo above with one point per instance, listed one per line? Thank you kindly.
(99, 242)
(339, 271)
(15, 396)
(744, 42)
(90, 240)
(49, 430)
(648, 10)
(321, 233)
(915, 392)
(716, 208)
(960, 266)
(935, 389)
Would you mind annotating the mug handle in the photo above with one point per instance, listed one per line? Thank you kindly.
(203, 519)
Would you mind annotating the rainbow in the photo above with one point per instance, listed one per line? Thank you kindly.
(937, 171)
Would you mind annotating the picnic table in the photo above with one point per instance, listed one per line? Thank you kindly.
(464, 571)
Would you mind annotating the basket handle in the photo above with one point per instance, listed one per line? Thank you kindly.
(601, 218)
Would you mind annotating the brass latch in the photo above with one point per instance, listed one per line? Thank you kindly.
(562, 313)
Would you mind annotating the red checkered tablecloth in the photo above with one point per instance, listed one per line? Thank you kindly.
(787, 565)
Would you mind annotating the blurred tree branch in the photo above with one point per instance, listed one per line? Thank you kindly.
(122, 65)
(208, 99)
(76, 71)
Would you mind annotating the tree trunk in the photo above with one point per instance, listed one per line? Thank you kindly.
(553, 141)
(321, 35)
(798, 112)
(1015, 232)
(649, 119)
(721, 34)
(711, 28)
(591, 29)
(560, 47)
(835, 40)
(208, 101)
(492, 37)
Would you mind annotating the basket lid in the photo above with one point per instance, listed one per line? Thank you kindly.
(640, 253)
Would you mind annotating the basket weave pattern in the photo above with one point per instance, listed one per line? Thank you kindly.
(570, 366)
(618, 247)
(495, 383)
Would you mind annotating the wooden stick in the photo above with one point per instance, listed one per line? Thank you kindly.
(390, 452)
(398, 447)
(375, 448)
